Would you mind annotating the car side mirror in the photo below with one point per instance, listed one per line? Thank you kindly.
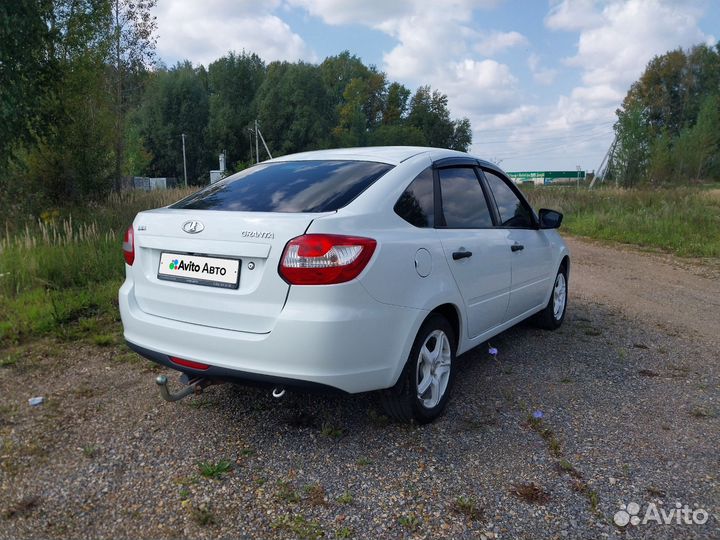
(550, 219)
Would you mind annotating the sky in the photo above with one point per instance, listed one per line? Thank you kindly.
(539, 80)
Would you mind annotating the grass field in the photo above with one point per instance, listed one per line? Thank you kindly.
(683, 221)
(59, 275)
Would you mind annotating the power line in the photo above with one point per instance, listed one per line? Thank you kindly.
(548, 147)
(543, 139)
(552, 128)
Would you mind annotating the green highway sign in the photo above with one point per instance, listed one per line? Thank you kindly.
(545, 177)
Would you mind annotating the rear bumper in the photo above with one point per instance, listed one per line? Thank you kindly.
(326, 337)
(236, 376)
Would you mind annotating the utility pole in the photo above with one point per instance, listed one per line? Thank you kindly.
(184, 160)
(602, 169)
(257, 142)
(251, 154)
(259, 133)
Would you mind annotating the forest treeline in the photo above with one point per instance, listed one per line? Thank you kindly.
(84, 102)
(668, 129)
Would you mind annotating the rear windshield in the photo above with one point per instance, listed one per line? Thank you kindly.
(289, 186)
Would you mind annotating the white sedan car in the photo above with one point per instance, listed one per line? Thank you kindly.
(352, 269)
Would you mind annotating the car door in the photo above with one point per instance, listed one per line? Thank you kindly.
(478, 253)
(531, 253)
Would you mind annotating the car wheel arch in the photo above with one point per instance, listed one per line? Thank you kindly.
(452, 314)
(449, 311)
(565, 262)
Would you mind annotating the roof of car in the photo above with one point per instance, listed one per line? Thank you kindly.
(385, 154)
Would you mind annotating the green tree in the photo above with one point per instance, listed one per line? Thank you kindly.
(392, 135)
(71, 147)
(177, 102)
(697, 147)
(662, 168)
(430, 114)
(80, 67)
(396, 104)
(82, 103)
(630, 158)
(295, 108)
(28, 71)
(137, 156)
(702, 77)
(462, 135)
(661, 93)
(233, 83)
(667, 128)
(362, 109)
(337, 72)
(131, 47)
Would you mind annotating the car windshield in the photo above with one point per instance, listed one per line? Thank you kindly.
(289, 186)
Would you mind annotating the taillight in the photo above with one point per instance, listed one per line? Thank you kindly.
(325, 259)
(129, 246)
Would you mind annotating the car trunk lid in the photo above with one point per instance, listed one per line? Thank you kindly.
(254, 239)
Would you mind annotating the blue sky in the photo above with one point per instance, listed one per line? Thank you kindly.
(539, 80)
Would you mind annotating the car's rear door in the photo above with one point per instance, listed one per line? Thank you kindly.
(531, 253)
(477, 253)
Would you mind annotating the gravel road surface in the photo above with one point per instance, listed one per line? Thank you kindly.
(548, 440)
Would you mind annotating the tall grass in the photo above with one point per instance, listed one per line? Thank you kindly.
(683, 221)
(74, 247)
(66, 266)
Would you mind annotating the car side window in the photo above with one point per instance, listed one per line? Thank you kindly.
(417, 203)
(513, 212)
(463, 201)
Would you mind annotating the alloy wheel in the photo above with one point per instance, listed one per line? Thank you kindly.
(433, 369)
(559, 295)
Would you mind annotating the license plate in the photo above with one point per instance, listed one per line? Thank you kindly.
(200, 270)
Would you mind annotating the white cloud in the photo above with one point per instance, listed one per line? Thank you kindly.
(365, 12)
(523, 115)
(616, 40)
(573, 15)
(425, 47)
(380, 13)
(439, 43)
(204, 31)
(599, 95)
(541, 75)
(630, 33)
(436, 46)
(495, 42)
(448, 45)
(481, 87)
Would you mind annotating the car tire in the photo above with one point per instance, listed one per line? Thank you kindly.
(552, 316)
(425, 384)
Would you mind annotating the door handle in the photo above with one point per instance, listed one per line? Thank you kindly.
(457, 255)
(517, 247)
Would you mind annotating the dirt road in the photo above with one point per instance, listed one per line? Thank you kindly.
(676, 294)
(628, 390)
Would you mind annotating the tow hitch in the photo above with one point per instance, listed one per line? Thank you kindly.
(194, 386)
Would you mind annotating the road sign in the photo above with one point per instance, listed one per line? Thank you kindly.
(546, 177)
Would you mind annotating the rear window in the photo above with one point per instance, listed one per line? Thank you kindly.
(289, 186)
